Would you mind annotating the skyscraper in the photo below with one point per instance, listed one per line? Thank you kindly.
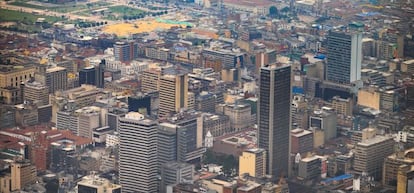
(137, 153)
(274, 117)
(344, 57)
(173, 93)
(125, 51)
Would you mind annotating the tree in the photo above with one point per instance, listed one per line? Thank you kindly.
(273, 12)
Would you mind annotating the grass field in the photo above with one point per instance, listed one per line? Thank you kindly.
(25, 21)
(62, 8)
(11, 15)
(124, 10)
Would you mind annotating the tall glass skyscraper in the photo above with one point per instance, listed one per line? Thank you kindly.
(274, 117)
(344, 57)
(138, 153)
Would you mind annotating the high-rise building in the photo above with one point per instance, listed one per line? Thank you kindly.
(253, 163)
(175, 172)
(344, 57)
(87, 76)
(93, 75)
(181, 135)
(274, 117)
(22, 174)
(137, 153)
(150, 80)
(393, 162)
(36, 93)
(405, 179)
(55, 78)
(125, 51)
(173, 93)
(370, 154)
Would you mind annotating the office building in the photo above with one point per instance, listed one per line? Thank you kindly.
(55, 78)
(206, 102)
(393, 162)
(81, 122)
(370, 154)
(72, 99)
(342, 106)
(324, 120)
(26, 115)
(253, 163)
(140, 103)
(11, 76)
(310, 168)
(227, 58)
(36, 93)
(344, 57)
(299, 112)
(174, 173)
(217, 124)
(150, 80)
(87, 76)
(22, 174)
(96, 184)
(113, 115)
(93, 75)
(274, 117)
(173, 93)
(405, 179)
(137, 153)
(301, 141)
(182, 134)
(7, 117)
(240, 115)
(125, 51)
(265, 57)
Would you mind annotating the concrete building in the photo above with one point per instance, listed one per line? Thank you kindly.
(97, 185)
(36, 93)
(342, 106)
(137, 152)
(88, 120)
(55, 78)
(299, 112)
(344, 57)
(206, 102)
(227, 58)
(265, 57)
(11, 76)
(309, 168)
(217, 124)
(173, 93)
(274, 118)
(405, 179)
(250, 187)
(72, 99)
(125, 51)
(174, 173)
(150, 80)
(324, 120)
(393, 162)
(22, 174)
(239, 114)
(370, 154)
(253, 163)
(7, 117)
(301, 141)
(183, 135)
(26, 115)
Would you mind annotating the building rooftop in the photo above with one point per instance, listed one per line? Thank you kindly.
(374, 140)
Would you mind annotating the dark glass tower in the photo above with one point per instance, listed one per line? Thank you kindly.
(274, 117)
(87, 76)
